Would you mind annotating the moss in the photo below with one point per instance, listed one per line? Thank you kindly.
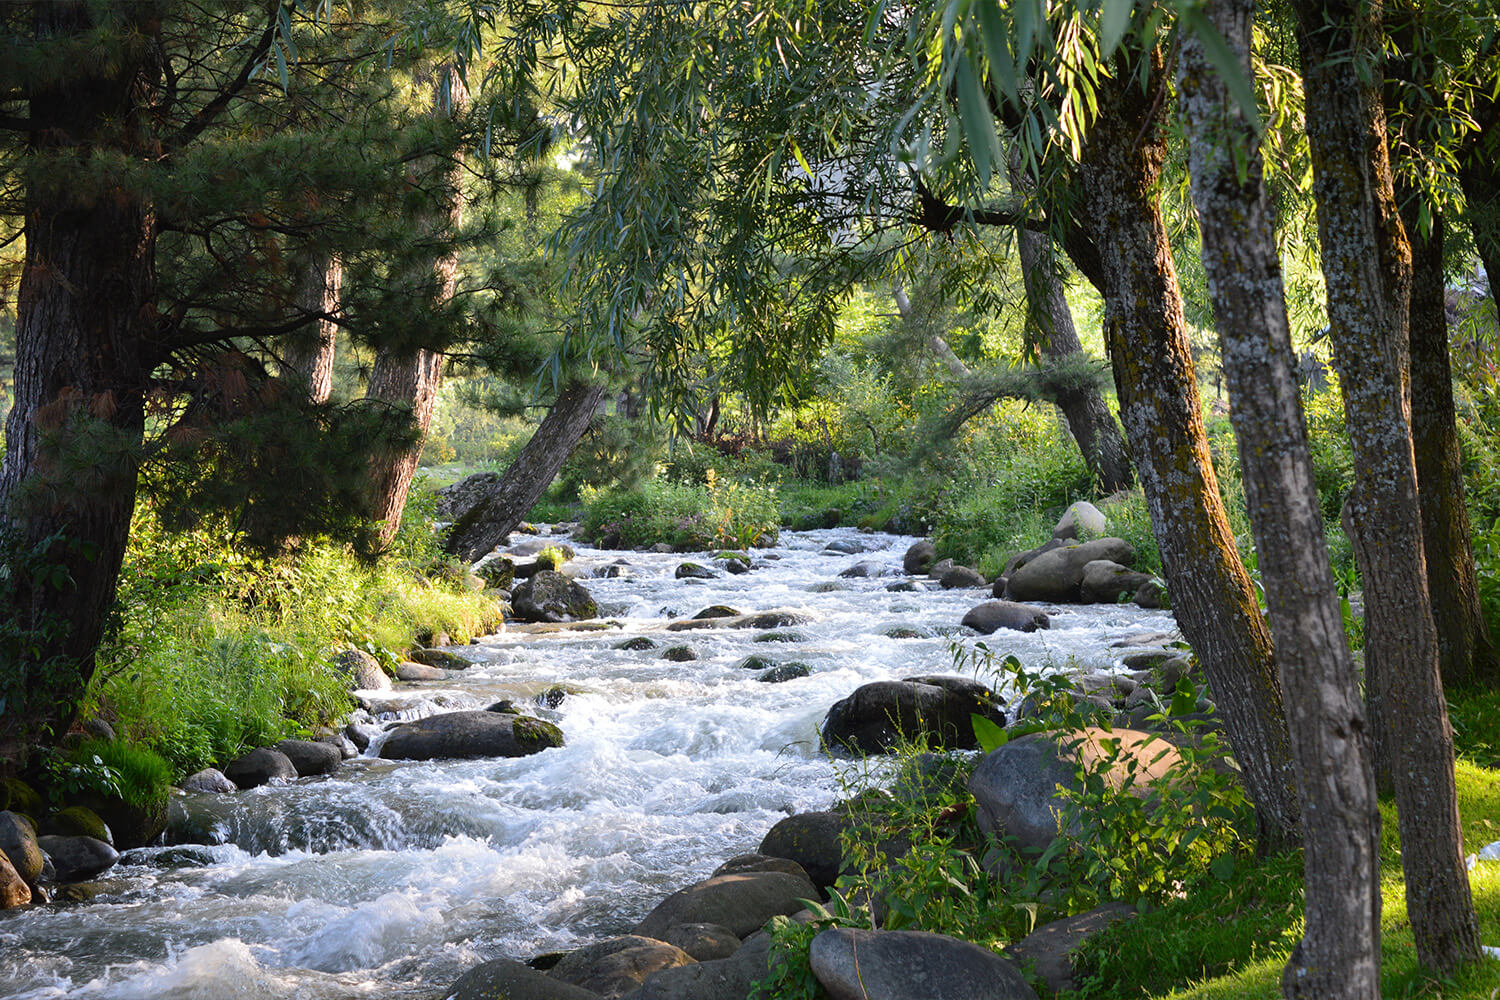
(21, 797)
(536, 734)
(781, 637)
(78, 821)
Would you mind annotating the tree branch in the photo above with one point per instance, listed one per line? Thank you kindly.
(207, 114)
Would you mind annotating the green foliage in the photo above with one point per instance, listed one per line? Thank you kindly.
(551, 557)
(789, 969)
(719, 515)
(141, 776)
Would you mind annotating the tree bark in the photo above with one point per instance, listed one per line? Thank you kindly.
(1367, 271)
(1089, 421)
(1212, 595)
(1466, 653)
(308, 355)
(1339, 955)
(496, 516)
(410, 377)
(84, 317)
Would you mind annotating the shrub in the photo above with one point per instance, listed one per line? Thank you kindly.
(719, 515)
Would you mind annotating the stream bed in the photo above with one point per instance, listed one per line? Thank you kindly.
(390, 879)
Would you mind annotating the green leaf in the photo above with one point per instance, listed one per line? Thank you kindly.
(974, 114)
(1113, 21)
(1223, 867)
(991, 737)
(1184, 699)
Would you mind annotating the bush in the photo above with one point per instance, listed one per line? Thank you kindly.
(720, 515)
(141, 775)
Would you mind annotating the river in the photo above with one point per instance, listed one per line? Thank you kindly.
(390, 879)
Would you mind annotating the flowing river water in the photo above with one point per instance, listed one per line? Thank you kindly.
(390, 879)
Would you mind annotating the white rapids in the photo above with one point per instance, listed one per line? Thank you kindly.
(390, 879)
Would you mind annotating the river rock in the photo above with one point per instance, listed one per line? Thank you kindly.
(1152, 595)
(741, 863)
(210, 780)
(918, 558)
(456, 500)
(1022, 558)
(846, 546)
(75, 859)
(863, 570)
(310, 758)
(703, 942)
(637, 644)
(961, 577)
(679, 654)
(1106, 582)
(503, 979)
(1056, 576)
(620, 969)
(783, 672)
(78, 821)
(716, 611)
(13, 888)
(441, 658)
(939, 568)
(465, 735)
(18, 843)
(20, 797)
(880, 715)
(362, 670)
(991, 616)
(263, 766)
(407, 670)
(552, 597)
(903, 965)
(811, 841)
(1048, 950)
(534, 546)
(498, 572)
(729, 978)
(1081, 521)
(1015, 788)
(742, 903)
(693, 571)
(760, 619)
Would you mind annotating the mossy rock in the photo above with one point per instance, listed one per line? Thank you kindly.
(680, 654)
(754, 662)
(21, 797)
(537, 733)
(78, 821)
(907, 632)
(637, 644)
(781, 637)
(785, 672)
(133, 825)
(716, 611)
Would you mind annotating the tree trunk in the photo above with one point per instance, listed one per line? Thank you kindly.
(1466, 653)
(308, 354)
(1479, 173)
(1089, 421)
(410, 377)
(1339, 955)
(83, 315)
(496, 516)
(935, 343)
(1212, 595)
(1367, 271)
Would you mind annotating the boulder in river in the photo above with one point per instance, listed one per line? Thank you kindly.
(463, 735)
(310, 758)
(880, 715)
(715, 611)
(961, 577)
(552, 597)
(409, 670)
(918, 558)
(262, 766)
(637, 644)
(615, 967)
(1152, 595)
(863, 570)
(693, 571)
(741, 863)
(1015, 788)
(903, 965)
(13, 888)
(210, 779)
(1057, 575)
(811, 841)
(742, 903)
(78, 821)
(731, 978)
(75, 859)
(504, 979)
(783, 672)
(442, 658)
(679, 654)
(1106, 582)
(703, 942)
(991, 616)
(1081, 521)
(18, 843)
(362, 670)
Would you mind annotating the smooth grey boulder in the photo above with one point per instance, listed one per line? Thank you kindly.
(810, 840)
(741, 863)
(13, 888)
(1048, 950)
(409, 670)
(742, 903)
(441, 658)
(939, 568)
(619, 965)
(75, 859)
(262, 766)
(846, 546)
(1152, 595)
(549, 596)
(904, 965)
(210, 780)
(880, 715)
(503, 979)
(783, 672)
(1056, 576)
(918, 558)
(1015, 788)
(961, 578)
(726, 979)
(1081, 521)
(694, 571)
(18, 843)
(863, 570)
(462, 735)
(759, 619)
(311, 758)
(362, 671)
(703, 942)
(1106, 582)
(991, 616)
(715, 611)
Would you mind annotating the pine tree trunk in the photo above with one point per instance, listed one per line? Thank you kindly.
(1212, 595)
(308, 355)
(411, 377)
(73, 437)
(1367, 271)
(1466, 652)
(496, 516)
(1339, 955)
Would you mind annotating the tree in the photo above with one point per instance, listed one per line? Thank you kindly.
(1367, 269)
(1339, 955)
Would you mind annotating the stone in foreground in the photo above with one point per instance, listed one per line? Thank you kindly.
(552, 597)
(905, 965)
(879, 716)
(991, 616)
(465, 735)
(503, 979)
(1048, 950)
(740, 903)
